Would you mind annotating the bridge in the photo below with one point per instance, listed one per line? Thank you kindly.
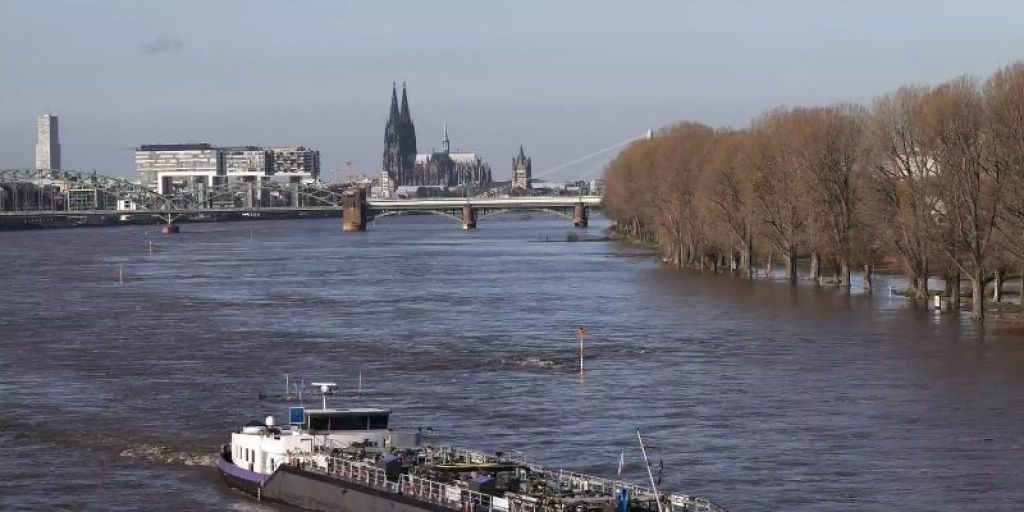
(53, 196)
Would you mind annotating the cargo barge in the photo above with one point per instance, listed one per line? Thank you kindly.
(351, 460)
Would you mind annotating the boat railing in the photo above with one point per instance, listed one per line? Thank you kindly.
(460, 498)
(450, 496)
(456, 498)
(581, 482)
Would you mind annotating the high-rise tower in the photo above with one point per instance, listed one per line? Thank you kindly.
(47, 142)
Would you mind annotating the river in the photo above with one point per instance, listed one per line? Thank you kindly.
(114, 396)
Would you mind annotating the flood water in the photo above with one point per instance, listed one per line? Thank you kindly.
(755, 394)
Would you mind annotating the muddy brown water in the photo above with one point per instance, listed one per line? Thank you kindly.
(758, 395)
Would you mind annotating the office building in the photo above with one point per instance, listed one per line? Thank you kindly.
(168, 168)
(47, 142)
(297, 163)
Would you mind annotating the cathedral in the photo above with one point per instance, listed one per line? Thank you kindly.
(442, 171)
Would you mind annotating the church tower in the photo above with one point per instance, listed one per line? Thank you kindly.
(399, 141)
(522, 172)
(393, 163)
(408, 129)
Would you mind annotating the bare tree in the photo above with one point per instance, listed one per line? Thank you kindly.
(971, 186)
(903, 182)
(932, 179)
(1004, 101)
(834, 151)
(776, 140)
(730, 194)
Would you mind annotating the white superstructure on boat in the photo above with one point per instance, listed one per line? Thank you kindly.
(261, 448)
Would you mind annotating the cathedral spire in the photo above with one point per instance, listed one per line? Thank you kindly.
(407, 128)
(406, 116)
(394, 115)
(445, 144)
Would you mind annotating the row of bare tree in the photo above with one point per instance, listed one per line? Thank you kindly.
(929, 180)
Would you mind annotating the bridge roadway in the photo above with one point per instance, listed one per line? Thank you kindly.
(357, 209)
(499, 203)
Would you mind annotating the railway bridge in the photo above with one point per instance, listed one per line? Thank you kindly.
(68, 197)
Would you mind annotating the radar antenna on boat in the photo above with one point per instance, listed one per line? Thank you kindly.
(326, 388)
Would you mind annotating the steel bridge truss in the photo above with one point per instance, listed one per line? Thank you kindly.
(68, 191)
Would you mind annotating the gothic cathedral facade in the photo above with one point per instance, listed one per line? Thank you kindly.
(441, 171)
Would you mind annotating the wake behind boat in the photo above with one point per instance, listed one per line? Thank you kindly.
(351, 460)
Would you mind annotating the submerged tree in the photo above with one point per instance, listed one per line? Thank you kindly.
(930, 180)
(971, 186)
(903, 184)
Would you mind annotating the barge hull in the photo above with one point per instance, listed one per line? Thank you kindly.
(246, 481)
(321, 493)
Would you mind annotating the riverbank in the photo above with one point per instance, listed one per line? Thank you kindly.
(1003, 311)
(11, 223)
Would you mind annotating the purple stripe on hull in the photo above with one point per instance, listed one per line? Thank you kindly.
(237, 472)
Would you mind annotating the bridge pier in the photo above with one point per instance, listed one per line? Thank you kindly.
(353, 210)
(580, 215)
(169, 227)
(468, 217)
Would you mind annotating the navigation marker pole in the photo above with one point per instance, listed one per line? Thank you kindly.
(647, 463)
(580, 334)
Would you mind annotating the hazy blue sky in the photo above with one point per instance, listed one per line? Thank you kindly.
(561, 78)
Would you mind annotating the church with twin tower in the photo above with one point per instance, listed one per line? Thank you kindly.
(441, 171)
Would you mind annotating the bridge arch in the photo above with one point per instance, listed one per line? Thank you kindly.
(396, 213)
(550, 211)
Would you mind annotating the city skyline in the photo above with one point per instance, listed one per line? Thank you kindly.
(561, 80)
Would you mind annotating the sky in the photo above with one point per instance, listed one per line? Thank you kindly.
(563, 79)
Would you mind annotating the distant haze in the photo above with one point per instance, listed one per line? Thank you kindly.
(563, 79)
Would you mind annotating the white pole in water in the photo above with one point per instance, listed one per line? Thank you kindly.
(581, 355)
(580, 334)
(287, 387)
(120, 274)
(647, 463)
(360, 392)
(151, 247)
